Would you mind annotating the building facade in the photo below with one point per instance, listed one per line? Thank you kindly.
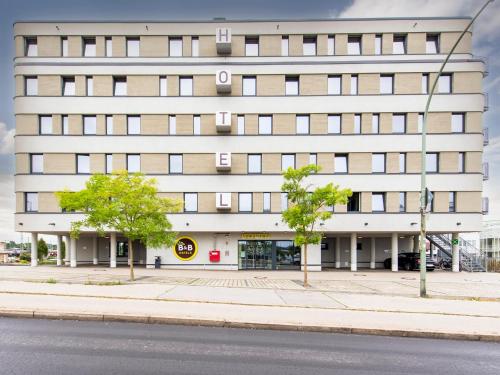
(216, 110)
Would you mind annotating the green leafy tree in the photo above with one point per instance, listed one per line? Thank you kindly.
(43, 249)
(308, 206)
(126, 203)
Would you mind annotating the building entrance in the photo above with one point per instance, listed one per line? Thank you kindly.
(268, 255)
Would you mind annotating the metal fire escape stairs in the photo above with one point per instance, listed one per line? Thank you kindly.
(471, 258)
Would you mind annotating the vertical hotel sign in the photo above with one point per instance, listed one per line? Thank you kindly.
(185, 248)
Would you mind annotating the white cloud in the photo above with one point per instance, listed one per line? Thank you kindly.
(6, 139)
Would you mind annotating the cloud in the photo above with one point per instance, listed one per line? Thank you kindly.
(6, 139)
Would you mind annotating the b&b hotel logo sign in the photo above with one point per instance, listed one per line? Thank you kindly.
(185, 248)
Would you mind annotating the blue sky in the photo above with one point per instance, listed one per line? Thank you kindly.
(486, 39)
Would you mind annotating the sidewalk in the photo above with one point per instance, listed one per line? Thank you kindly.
(376, 303)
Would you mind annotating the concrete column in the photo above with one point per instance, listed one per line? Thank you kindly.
(394, 253)
(72, 255)
(337, 252)
(67, 246)
(372, 253)
(95, 256)
(354, 252)
(455, 254)
(416, 243)
(34, 249)
(59, 252)
(112, 250)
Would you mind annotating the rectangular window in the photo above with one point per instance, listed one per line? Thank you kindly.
(357, 124)
(425, 83)
(387, 84)
(254, 163)
(64, 46)
(109, 125)
(451, 201)
(291, 85)
(119, 86)
(378, 163)
(109, 163)
(420, 123)
(31, 86)
(108, 47)
(133, 47)
(353, 45)
(461, 162)
(31, 47)
(65, 124)
(378, 202)
(402, 162)
(399, 45)
(186, 86)
(175, 164)
(457, 123)
(334, 124)
(133, 163)
(402, 202)
(190, 202)
(133, 125)
(334, 85)
(172, 125)
(354, 85)
(309, 46)
(340, 163)
(444, 84)
(195, 46)
(302, 124)
(353, 202)
(284, 46)
(331, 45)
(245, 202)
(89, 125)
(313, 159)
(432, 43)
(45, 123)
(175, 47)
(241, 125)
(90, 86)
(251, 46)
(83, 164)
(31, 202)
(89, 47)
(266, 202)
(287, 161)
(375, 123)
(265, 124)
(196, 125)
(163, 86)
(284, 201)
(432, 162)
(378, 44)
(398, 123)
(68, 86)
(36, 163)
(249, 86)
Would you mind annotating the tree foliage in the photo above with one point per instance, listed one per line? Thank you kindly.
(43, 249)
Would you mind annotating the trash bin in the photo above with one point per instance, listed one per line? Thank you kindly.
(157, 262)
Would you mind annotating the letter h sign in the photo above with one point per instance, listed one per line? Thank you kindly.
(223, 40)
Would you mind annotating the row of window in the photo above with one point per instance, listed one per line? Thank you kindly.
(249, 85)
(254, 163)
(265, 124)
(175, 46)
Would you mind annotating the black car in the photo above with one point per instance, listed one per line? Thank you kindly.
(409, 262)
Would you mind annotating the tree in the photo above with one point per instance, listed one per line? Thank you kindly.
(126, 203)
(43, 249)
(308, 206)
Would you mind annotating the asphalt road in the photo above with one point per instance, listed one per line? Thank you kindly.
(29, 346)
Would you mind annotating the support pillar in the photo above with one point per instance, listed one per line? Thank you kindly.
(372, 253)
(72, 254)
(394, 253)
(95, 256)
(416, 243)
(455, 253)
(34, 249)
(67, 246)
(354, 252)
(112, 250)
(59, 250)
(337, 252)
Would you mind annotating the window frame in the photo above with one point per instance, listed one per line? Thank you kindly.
(129, 162)
(384, 88)
(130, 124)
(193, 196)
(108, 164)
(241, 124)
(332, 87)
(436, 43)
(266, 202)
(384, 203)
(298, 124)
(441, 79)
(133, 46)
(402, 201)
(292, 82)
(41, 125)
(88, 42)
(240, 201)
(38, 163)
(246, 86)
(310, 42)
(428, 155)
(196, 125)
(396, 124)
(120, 86)
(109, 124)
(334, 124)
(92, 124)
(375, 123)
(454, 116)
(354, 89)
(263, 126)
(283, 161)
(79, 164)
(178, 157)
(375, 163)
(31, 41)
(31, 85)
(250, 42)
(354, 47)
(66, 86)
(177, 43)
(337, 157)
(183, 81)
(251, 157)
(400, 38)
(27, 200)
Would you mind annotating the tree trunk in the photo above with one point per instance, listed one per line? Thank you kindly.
(305, 266)
(131, 259)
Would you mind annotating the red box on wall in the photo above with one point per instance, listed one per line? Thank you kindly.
(214, 256)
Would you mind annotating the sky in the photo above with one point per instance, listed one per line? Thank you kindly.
(486, 36)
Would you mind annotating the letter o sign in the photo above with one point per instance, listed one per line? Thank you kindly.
(223, 76)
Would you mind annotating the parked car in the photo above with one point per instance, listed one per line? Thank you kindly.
(409, 262)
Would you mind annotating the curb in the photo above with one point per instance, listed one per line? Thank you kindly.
(144, 319)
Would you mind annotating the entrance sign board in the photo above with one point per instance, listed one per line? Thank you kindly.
(185, 248)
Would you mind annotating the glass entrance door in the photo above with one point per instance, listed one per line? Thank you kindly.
(256, 255)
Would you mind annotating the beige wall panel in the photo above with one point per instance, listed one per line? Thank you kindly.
(119, 162)
(412, 201)
(366, 201)
(48, 202)
(318, 123)
(154, 163)
(22, 163)
(368, 44)
(208, 125)
(97, 163)
(387, 40)
(120, 124)
(206, 202)
(49, 86)
(385, 123)
(392, 201)
(313, 84)
(234, 202)
(173, 85)
(340, 208)
(369, 84)
(101, 125)
(412, 122)
(347, 123)
(474, 122)
(103, 85)
(26, 124)
(143, 86)
(184, 124)
(75, 123)
(204, 85)
(341, 44)
(448, 39)
(270, 84)
(416, 43)
(440, 201)
(283, 123)
(19, 202)
(275, 202)
(439, 122)
(239, 163)
(236, 85)
(119, 46)
(20, 86)
(199, 164)
(237, 45)
(75, 47)
(59, 163)
(474, 162)
(186, 45)
(56, 124)
(448, 162)
(360, 162)
(80, 86)
(207, 46)
(257, 202)
(295, 45)
(366, 123)
(270, 45)
(392, 162)
(469, 201)
(322, 45)
(407, 83)
(467, 82)
(100, 46)
(251, 124)
(271, 163)
(154, 124)
(346, 84)
(413, 162)
(49, 46)
(301, 160)
(19, 45)
(325, 161)
(153, 46)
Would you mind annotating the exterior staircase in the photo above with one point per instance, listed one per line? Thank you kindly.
(471, 258)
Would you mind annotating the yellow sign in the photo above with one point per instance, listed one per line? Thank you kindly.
(254, 236)
(185, 248)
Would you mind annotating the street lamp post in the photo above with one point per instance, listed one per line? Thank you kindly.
(423, 184)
